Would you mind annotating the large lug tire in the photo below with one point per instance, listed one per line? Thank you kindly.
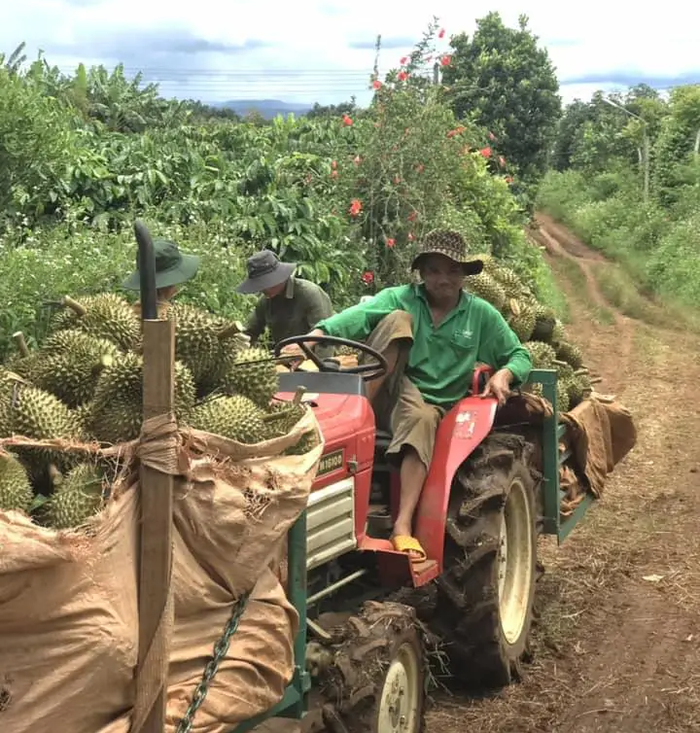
(377, 681)
(486, 592)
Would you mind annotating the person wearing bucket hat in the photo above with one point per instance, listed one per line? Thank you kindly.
(432, 333)
(288, 305)
(173, 268)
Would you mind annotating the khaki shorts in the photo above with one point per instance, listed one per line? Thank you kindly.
(399, 407)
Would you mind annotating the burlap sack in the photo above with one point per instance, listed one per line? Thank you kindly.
(68, 600)
(260, 661)
(231, 523)
(68, 641)
(600, 434)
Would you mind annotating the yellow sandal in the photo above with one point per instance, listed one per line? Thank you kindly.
(411, 546)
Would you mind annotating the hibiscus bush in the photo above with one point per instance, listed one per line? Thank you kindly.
(347, 196)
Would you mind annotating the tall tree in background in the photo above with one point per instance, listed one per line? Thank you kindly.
(502, 80)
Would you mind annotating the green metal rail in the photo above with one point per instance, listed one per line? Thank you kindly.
(552, 432)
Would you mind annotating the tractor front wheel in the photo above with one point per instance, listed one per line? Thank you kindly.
(376, 683)
(486, 592)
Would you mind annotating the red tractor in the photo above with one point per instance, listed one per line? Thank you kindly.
(367, 612)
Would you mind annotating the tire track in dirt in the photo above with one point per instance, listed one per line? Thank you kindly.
(608, 345)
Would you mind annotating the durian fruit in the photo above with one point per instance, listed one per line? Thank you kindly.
(196, 339)
(116, 411)
(509, 280)
(10, 383)
(486, 287)
(230, 342)
(106, 315)
(252, 373)
(284, 416)
(23, 361)
(71, 364)
(558, 333)
(579, 387)
(545, 321)
(77, 497)
(37, 414)
(563, 402)
(490, 264)
(570, 353)
(521, 318)
(15, 487)
(235, 417)
(83, 414)
(542, 354)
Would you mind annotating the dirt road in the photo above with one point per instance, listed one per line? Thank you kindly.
(617, 648)
(617, 645)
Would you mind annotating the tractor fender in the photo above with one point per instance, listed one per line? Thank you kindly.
(460, 432)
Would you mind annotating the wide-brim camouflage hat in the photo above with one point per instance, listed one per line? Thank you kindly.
(450, 244)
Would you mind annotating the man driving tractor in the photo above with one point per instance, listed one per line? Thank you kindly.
(432, 335)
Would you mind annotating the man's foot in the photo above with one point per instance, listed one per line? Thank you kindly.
(409, 545)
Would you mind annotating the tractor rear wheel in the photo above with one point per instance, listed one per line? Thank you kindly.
(376, 683)
(486, 592)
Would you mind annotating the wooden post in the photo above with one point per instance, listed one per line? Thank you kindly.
(155, 595)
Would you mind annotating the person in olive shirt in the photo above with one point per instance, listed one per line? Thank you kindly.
(289, 305)
(432, 335)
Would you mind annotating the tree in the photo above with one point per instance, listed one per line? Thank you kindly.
(331, 111)
(502, 80)
(576, 115)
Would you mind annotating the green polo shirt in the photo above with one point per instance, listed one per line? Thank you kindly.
(442, 358)
(295, 311)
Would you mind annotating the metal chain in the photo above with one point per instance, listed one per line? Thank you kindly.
(212, 667)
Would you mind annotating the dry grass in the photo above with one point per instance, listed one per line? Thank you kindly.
(620, 291)
(570, 270)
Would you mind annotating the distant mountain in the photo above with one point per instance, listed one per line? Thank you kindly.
(268, 108)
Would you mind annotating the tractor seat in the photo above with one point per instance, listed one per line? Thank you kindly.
(382, 438)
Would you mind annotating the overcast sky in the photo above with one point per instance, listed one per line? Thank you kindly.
(323, 50)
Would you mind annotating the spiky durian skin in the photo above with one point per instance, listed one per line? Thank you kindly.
(24, 366)
(570, 353)
(38, 414)
(107, 316)
(509, 281)
(78, 497)
(290, 414)
(15, 487)
(235, 417)
(558, 333)
(116, 411)
(196, 341)
(486, 287)
(258, 382)
(542, 354)
(71, 364)
(522, 321)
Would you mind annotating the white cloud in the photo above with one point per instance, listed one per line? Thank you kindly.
(600, 39)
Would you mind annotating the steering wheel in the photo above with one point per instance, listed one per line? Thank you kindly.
(370, 372)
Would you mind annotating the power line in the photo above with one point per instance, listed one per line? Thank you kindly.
(258, 73)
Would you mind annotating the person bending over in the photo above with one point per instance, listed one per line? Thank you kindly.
(288, 305)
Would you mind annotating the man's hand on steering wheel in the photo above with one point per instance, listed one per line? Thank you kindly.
(299, 347)
(297, 350)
